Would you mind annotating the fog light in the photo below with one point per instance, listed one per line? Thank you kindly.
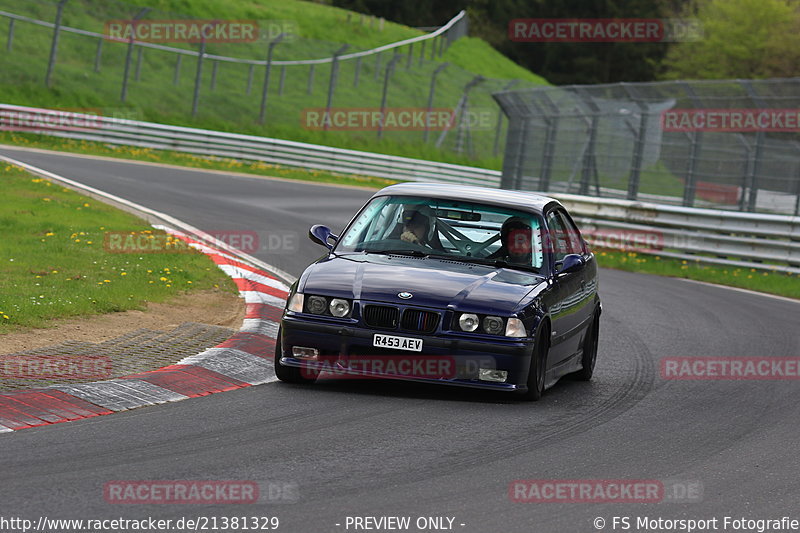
(301, 352)
(490, 374)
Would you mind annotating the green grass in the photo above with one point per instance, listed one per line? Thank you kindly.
(756, 280)
(53, 262)
(229, 107)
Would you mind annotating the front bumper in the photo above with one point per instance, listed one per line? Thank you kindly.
(347, 350)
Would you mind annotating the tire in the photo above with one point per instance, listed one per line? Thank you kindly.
(536, 373)
(289, 374)
(589, 357)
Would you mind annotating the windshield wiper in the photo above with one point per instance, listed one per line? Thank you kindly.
(499, 263)
(412, 253)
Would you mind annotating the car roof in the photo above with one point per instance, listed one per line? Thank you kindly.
(522, 200)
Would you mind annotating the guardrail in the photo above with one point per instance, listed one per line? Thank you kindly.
(743, 240)
(215, 143)
(710, 236)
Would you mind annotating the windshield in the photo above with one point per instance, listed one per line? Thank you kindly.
(458, 230)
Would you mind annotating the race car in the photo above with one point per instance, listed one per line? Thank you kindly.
(448, 284)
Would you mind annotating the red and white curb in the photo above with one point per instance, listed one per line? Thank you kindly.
(244, 360)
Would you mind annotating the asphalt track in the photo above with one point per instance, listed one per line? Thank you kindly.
(382, 449)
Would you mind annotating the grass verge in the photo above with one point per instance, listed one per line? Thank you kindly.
(53, 262)
(778, 283)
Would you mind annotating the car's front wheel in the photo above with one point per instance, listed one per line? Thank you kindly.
(538, 367)
(290, 374)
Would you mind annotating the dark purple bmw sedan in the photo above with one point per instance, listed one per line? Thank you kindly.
(447, 284)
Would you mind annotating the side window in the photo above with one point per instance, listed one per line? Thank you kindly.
(573, 235)
(556, 241)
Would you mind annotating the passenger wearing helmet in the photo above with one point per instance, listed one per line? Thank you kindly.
(516, 242)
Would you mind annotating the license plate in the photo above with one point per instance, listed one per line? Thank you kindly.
(398, 343)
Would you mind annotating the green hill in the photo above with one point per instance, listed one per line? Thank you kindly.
(225, 103)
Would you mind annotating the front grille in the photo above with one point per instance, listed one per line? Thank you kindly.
(381, 316)
(419, 320)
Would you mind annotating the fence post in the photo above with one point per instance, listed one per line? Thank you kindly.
(127, 68)
(499, 126)
(98, 55)
(177, 76)
(332, 82)
(250, 78)
(638, 145)
(10, 42)
(549, 144)
(358, 70)
(54, 44)
(431, 91)
(377, 65)
(214, 67)
(310, 78)
(460, 111)
(283, 80)
(138, 73)
(198, 76)
(752, 178)
(422, 53)
(589, 167)
(410, 56)
(389, 67)
(263, 112)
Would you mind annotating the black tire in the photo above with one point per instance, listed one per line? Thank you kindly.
(290, 374)
(589, 357)
(536, 373)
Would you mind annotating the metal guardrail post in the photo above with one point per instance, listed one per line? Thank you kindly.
(128, 55)
(384, 95)
(262, 114)
(98, 55)
(332, 82)
(198, 77)
(499, 126)
(282, 81)
(10, 40)
(51, 63)
(430, 100)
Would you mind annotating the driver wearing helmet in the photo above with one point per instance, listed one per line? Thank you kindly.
(516, 238)
(419, 226)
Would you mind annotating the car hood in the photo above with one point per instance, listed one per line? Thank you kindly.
(432, 282)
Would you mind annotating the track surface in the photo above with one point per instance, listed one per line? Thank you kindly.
(396, 449)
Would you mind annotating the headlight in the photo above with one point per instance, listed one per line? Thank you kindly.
(317, 304)
(296, 302)
(468, 322)
(339, 307)
(493, 325)
(515, 328)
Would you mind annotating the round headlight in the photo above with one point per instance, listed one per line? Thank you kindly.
(339, 307)
(468, 322)
(493, 325)
(317, 304)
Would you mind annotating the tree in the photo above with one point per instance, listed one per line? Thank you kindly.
(742, 39)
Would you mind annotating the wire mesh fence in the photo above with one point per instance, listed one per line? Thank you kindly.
(264, 85)
(730, 144)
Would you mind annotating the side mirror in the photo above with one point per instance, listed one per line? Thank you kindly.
(570, 263)
(320, 235)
